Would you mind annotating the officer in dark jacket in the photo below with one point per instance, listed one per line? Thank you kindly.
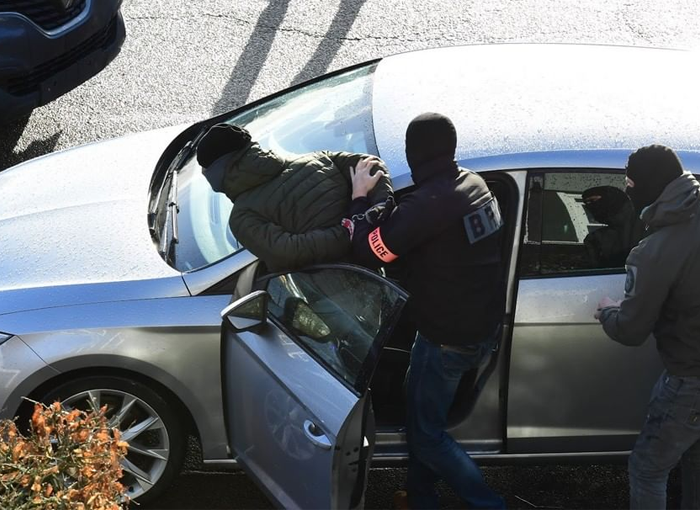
(449, 232)
(287, 212)
(662, 296)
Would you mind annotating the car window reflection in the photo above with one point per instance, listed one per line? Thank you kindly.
(578, 222)
(331, 114)
(335, 314)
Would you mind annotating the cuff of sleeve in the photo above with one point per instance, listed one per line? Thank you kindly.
(605, 313)
(359, 205)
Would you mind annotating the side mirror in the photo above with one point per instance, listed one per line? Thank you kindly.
(247, 312)
(304, 321)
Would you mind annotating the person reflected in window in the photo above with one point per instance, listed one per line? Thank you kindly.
(608, 246)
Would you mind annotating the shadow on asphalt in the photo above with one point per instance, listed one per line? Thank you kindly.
(248, 67)
(253, 57)
(9, 136)
(329, 46)
(524, 487)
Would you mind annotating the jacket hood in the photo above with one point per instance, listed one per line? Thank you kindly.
(249, 168)
(679, 202)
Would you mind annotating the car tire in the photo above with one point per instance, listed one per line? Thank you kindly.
(156, 438)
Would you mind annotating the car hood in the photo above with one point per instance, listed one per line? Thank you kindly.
(79, 217)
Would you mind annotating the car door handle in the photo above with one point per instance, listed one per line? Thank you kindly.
(316, 436)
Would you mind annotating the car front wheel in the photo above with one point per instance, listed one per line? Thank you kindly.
(146, 421)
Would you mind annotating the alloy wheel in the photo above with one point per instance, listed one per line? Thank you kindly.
(140, 426)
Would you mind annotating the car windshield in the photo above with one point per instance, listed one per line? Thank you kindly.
(331, 114)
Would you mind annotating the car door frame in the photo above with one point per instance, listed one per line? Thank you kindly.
(555, 440)
(480, 425)
(247, 283)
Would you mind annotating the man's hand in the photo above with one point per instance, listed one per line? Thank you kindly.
(362, 181)
(606, 302)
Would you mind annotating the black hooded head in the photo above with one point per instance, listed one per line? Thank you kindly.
(605, 203)
(651, 168)
(219, 140)
(429, 136)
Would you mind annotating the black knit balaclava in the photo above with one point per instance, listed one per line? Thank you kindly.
(219, 140)
(429, 136)
(651, 168)
(605, 203)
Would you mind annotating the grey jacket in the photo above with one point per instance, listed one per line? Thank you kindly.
(662, 291)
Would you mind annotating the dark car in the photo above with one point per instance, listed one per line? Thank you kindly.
(48, 47)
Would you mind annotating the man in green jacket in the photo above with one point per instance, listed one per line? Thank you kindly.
(287, 212)
(662, 296)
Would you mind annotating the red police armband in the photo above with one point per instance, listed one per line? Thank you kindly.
(379, 248)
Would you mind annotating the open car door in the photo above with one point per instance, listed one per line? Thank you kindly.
(298, 355)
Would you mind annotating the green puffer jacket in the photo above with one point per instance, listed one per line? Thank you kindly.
(288, 212)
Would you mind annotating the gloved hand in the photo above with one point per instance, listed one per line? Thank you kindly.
(219, 140)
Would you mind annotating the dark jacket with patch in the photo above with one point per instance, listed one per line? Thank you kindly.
(662, 292)
(288, 212)
(448, 234)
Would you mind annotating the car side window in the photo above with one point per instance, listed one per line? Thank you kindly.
(341, 317)
(578, 222)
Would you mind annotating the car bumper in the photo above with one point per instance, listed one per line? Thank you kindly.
(37, 66)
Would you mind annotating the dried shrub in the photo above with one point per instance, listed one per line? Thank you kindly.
(68, 460)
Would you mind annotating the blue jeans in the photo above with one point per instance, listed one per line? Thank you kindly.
(671, 434)
(432, 380)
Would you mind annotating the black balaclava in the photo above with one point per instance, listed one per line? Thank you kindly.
(219, 140)
(651, 168)
(605, 203)
(429, 136)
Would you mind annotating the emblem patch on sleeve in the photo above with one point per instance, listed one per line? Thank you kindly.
(483, 222)
(349, 226)
(631, 280)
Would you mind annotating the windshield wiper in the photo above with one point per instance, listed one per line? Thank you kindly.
(165, 209)
(174, 167)
(168, 236)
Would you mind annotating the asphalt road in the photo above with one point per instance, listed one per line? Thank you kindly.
(184, 61)
(543, 487)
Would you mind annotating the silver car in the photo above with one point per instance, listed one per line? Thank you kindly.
(116, 262)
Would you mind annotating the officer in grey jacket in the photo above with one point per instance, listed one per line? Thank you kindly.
(662, 296)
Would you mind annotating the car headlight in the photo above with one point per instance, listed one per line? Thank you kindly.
(4, 338)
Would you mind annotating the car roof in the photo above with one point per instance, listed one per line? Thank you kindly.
(517, 103)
